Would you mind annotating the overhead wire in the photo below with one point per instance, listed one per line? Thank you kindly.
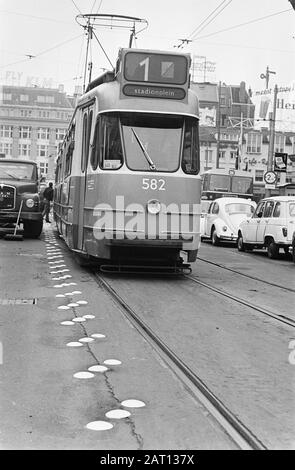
(200, 28)
(242, 24)
(205, 22)
(43, 52)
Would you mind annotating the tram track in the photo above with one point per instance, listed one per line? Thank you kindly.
(255, 278)
(276, 316)
(229, 422)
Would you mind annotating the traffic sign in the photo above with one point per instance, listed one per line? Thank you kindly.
(270, 177)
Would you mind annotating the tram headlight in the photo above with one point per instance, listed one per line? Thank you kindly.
(153, 206)
(30, 203)
(224, 228)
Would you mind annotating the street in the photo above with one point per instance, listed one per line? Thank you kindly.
(50, 399)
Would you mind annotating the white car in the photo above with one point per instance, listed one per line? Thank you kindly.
(223, 218)
(272, 226)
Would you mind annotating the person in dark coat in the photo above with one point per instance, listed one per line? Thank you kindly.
(48, 197)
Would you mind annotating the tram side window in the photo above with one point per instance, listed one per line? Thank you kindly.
(190, 155)
(107, 146)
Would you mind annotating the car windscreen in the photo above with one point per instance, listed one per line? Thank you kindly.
(18, 171)
(238, 208)
(292, 209)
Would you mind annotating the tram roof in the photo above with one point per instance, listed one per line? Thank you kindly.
(226, 171)
(109, 99)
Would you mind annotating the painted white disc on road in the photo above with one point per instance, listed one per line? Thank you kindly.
(76, 292)
(73, 304)
(98, 335)
(86, 340)
(83, 375)
(63, 307)
(78, 319)
(74, 344)
(112, 362)
(67, 323)
(89, 317)
(117, 414)
(60, 295)
(82, 302)
(98, 368)
(99, 426)
(133, 403)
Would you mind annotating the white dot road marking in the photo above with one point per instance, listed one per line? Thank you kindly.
(74, 344)
(86, 340)
(98, 368)
(117, 414)
(98, 335)
(99, 426)
(133, 403)
(112, 362)
(83, 375)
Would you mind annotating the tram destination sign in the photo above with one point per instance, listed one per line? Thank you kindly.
(156, 68)
(149, 91)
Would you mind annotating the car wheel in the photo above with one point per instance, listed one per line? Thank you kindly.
(240, 243)
(286, 250)
(33, 228)
(215, 238)
(272, 250)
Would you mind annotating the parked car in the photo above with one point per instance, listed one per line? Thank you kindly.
(19, 187)
(272, 226)
(223, 218)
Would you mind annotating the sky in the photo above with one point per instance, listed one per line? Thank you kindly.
(41, 42)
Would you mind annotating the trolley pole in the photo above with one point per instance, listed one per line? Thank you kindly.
(272, 124)
(218, 126)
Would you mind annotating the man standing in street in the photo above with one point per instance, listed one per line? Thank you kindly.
(48, 197)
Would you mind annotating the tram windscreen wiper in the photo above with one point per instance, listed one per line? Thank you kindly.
(148, 158)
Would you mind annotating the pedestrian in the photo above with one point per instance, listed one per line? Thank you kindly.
(48, 197)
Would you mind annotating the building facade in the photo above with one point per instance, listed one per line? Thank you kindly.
(231, 139)
(33, 121)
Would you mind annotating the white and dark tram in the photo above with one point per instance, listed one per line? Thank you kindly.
(127, 189)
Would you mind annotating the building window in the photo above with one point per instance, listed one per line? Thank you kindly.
(208, 156)
(279, 143)
(24, 97)
(7, 96)
(43, 133)
(259, 175)
(25, 132)
(24, 150)
(222, 155)
(253, 143)
(45, 99)
(59, 134)
(6, 148)
(44, 114)
(43, 168)
(26, 112)
(42, 150)
(233, 155)
(6, 131)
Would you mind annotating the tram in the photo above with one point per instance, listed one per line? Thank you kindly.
(128, 188)
(226, 182)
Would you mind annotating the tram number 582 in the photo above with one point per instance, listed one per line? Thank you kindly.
(153, 184)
